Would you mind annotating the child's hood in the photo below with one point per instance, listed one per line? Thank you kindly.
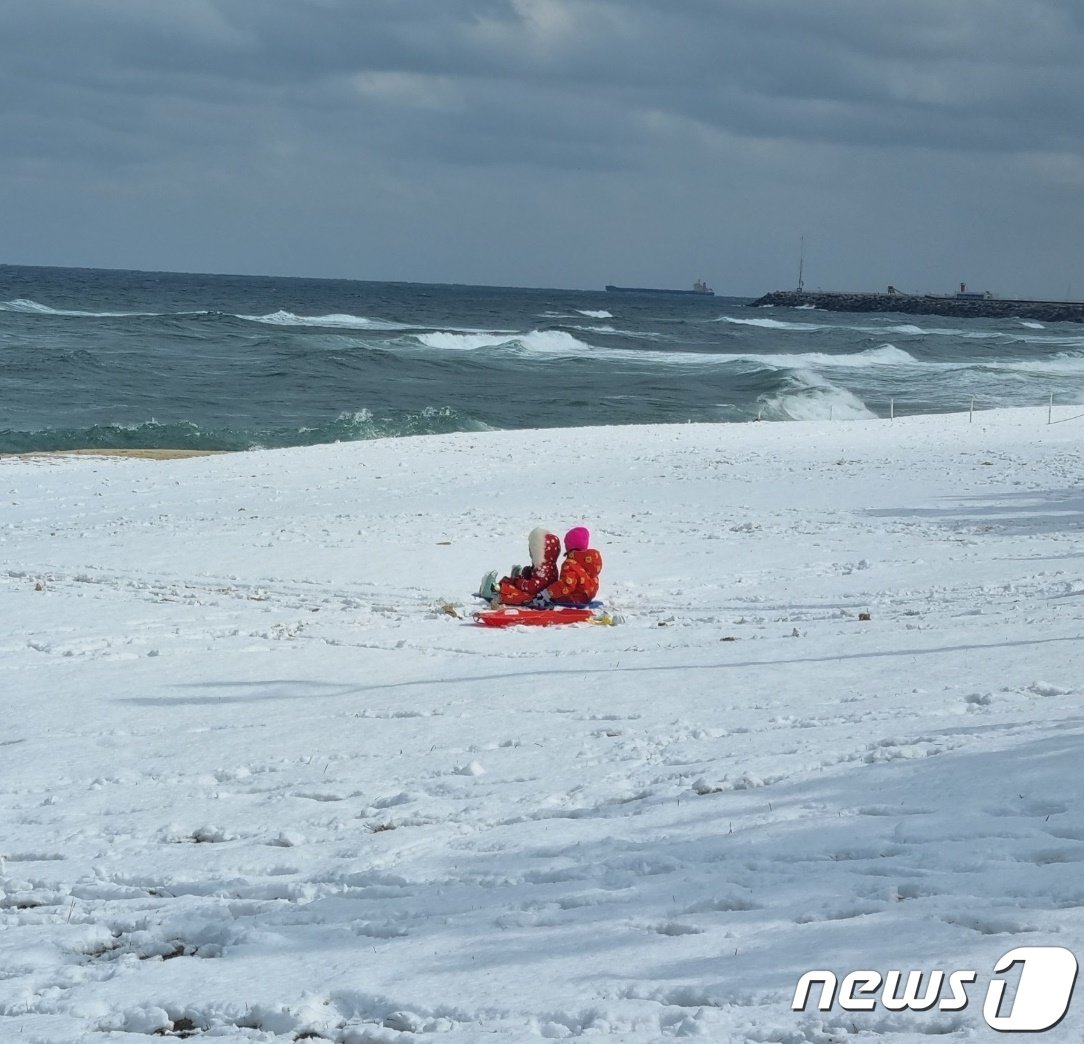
(545, 547)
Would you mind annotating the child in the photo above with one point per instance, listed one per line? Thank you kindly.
(578, 580)
(523, 585)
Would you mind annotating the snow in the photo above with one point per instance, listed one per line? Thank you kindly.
(262, 779)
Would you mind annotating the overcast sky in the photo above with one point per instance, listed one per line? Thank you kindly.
(562, 143)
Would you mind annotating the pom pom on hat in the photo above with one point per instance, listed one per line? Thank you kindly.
(578, 539)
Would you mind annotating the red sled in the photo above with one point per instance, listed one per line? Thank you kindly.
(513, 615)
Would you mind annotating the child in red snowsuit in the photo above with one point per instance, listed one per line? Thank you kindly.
(520, 588)
(578, 580)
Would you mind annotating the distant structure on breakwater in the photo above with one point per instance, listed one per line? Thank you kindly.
(967, 305)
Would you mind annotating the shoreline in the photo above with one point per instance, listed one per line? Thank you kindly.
(1043, 413)
(140, 454)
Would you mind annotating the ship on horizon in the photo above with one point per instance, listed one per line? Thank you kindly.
(700, 289)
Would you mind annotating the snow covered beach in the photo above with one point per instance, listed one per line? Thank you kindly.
(261, 778)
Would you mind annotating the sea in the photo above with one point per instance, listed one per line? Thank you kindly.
(97, 359)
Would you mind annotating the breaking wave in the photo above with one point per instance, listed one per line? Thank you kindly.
(883, 355)
(547, 341)
(334, 322)
(27, 307)
(774, 324)
(805, 395)
(890, 326)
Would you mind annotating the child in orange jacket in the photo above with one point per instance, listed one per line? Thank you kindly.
(579, 577)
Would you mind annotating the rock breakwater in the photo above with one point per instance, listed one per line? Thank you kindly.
(926, 304)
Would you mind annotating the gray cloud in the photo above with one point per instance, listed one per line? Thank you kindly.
(476, 140)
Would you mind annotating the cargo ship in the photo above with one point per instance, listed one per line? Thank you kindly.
(700, 289)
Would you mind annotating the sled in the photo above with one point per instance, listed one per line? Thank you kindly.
(513, 615)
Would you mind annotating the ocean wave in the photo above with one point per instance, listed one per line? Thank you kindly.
(1064, 341)
(967, 334)
(613, 331)
(774, 324)
(589, 313)
(363, 425)
(27, 307)
(557, 342)
(897, 328)
(882, 355)
(337, 321)
(875, 326)
(147, 435)
(560, 342)
(349, 426)
(1061, 364)
(914, 330)
(808, 396)
(445, 340)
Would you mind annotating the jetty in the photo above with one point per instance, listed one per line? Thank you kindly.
(962, 305)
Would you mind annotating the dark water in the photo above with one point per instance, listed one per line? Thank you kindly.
(92, 358)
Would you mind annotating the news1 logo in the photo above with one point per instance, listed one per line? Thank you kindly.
(1043, 993)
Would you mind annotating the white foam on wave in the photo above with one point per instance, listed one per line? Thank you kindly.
(907, 330)
(364, 424)
(339, 322)
(590, 313)
(883, 355)
(559, 342)
(1067, 341)
(27, 307)
(1069, 364)
(556, 342)
(899, 328)
(638, 335)
(902, 329)
(911, 329)
(811, 397)
(971, 334)
(773, 324)
(461, 342)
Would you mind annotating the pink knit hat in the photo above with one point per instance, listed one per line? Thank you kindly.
(578, 539)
